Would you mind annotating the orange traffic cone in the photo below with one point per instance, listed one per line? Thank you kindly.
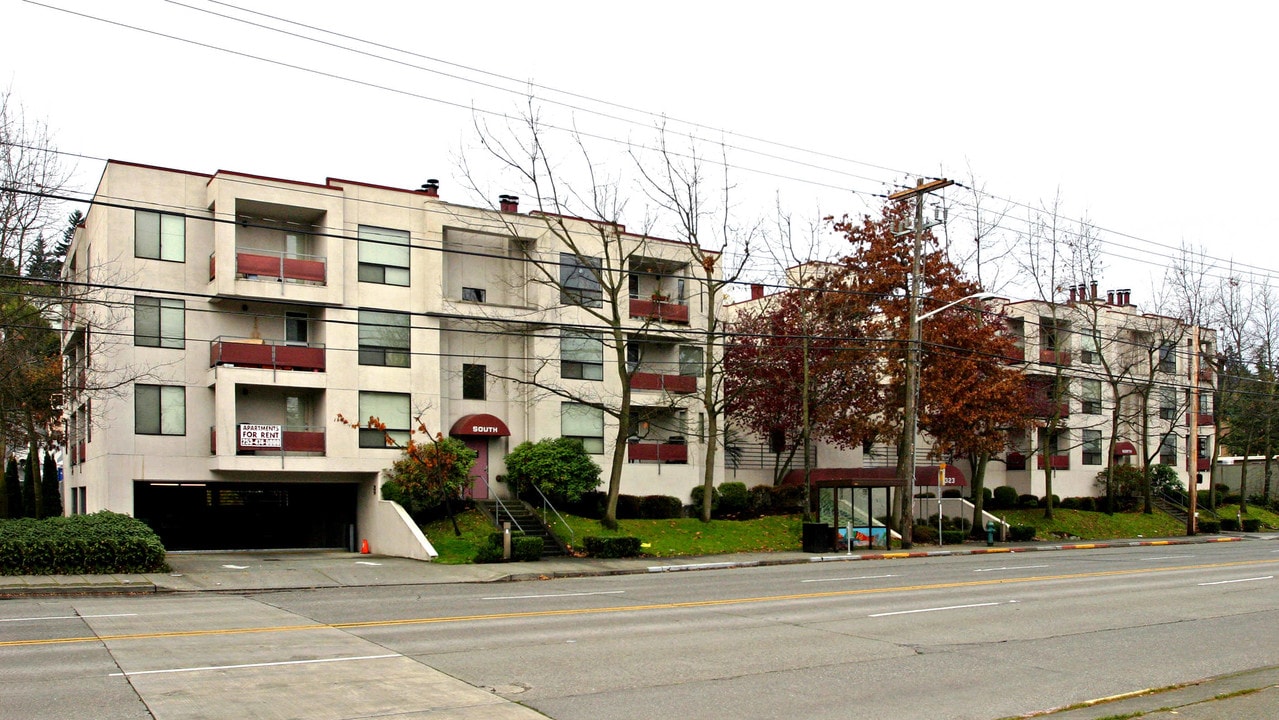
(364, 547)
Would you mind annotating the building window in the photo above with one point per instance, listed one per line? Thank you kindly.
(470, 294)
(1054, 334)
(1090, 349)
(1091, 396)
(384, 255)
(1092, 447)
(1168, 357)
(159, 236)
(585, 423)
(690, 360)
(1204, 447)
(580, 281)
(473, 380)
(581, 355)
(296, 326)
(159, 322)
(1168, 450)
(1205, 403)
(384, 338)
(159, 410)
(392, 410)
(1167, 403)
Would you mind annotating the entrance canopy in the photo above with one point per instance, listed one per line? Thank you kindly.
(925, 475)
(1124, 448)
(479, 425)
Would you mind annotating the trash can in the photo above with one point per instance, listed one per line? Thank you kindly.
(816, 538)
(990, 533)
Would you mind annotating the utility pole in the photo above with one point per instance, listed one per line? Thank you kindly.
(910, 409)
(1193, 417)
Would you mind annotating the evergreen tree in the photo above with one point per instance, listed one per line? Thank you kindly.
(12, 491)
(29, 489)
(50, 493)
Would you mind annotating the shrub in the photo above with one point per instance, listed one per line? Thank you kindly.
(1252, 525)
(526, 548)
(1004, 497)
(1021, 533)
(611, 547)
(1209, 527)
(696, 495)
(1258, 500)
(590, 505)
(101, 543)
(660, 507)
(928, 494)
(1043, 501)
(628, 507)
(733, 498)
(924, 534)
(489, 553)
(986, 496)
(1088, 504)
(953, 537)
(1229, 499)
(1070, 503)
(427, 473)
(1126, 482)
(1230, 524)
(760, 500)
(559, 467)
(963, 524)
(1027, 501)
(1164, 477)
(788, 498)
(952, 493)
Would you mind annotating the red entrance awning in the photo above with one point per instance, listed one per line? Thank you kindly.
(1125, 448)
(479, 425)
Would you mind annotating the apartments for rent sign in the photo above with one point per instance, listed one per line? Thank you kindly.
(261, 436)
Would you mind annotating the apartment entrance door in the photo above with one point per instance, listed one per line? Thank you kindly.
(478, 431)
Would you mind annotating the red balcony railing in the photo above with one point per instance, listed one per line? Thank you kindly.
(1054, 357)
(280, 266)
(1204, 464)
(663, 310)
(256, 353)
(1016, 461)
(1016, 355)
(1059, 462)
(657, 452)
(303, 440)
(1200, 418)
(669, 383)
(1205, 374)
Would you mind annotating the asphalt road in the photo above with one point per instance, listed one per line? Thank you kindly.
(977, 637)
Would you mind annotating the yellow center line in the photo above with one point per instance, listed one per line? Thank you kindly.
(629, 608)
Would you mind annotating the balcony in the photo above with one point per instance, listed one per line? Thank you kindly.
(1016, 461)
(1205, 375)
(1054, 357)
(661, 310)
(298, 440)
(275, 266)
(1043, 408)
(1058, 462)
(1200, 418)
(267, 354)
(670, 383)
(665, 452)
(1204, 464)
(1016, 355)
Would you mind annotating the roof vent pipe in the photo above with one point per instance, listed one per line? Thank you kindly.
(509, 203)
(1094, 289)
(431, 188)
(1110, 297)
(757, 291)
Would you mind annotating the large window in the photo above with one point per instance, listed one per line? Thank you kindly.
(690, 360)
(1168, 450)
(1090, 349)
(384, 255)
(1091, 394)
(159, 322)
(473, 380)
(1168, 357)
(384, 338)
(581, 355)
(159, 236)
(580, 281)
(159, 410)
(1167, 403)
(585, 423)
(391, 409)
(1092, 447)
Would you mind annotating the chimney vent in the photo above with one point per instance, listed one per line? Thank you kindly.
(1125, 295)
(1110, 297)
(431, 188)
(1094, 289)
(757, 291)
(509, 203)
(1073, 290)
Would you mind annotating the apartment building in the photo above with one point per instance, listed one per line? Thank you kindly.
(235, 317)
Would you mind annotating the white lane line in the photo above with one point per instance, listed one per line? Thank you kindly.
(1015, 567)
(65, 617)
(1227, 582)
(366, 562)
(936, 609)
(1167, 557)
(533, 597)
(253, 665)
(236, 567)
(842, 579)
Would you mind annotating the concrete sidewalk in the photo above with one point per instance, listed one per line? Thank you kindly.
(267, 570)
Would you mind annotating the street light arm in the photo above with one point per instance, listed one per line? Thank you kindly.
(949, 305)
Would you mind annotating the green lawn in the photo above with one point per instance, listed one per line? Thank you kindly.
(689, 536)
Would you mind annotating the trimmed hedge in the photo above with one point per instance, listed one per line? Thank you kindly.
(1004, 497)
(611, 547)
(524, 548)
(734, 498)
(924, 534)
(1209, 527)
(661, 507)
(1021, 533)
(101, 543)
(1230, 524)
(953, 537)
(628, 507)
(1252, 525)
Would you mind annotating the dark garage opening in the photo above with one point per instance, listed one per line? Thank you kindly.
(247, 516)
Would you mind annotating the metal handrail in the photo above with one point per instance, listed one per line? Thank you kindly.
(501, 506)
(546, 503)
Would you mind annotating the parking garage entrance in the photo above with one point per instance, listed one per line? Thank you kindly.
(248, 516)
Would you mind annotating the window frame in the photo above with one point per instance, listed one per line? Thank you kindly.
(379, 250)
(1168, 447)
(164, 309)
(170, 242)
(1167, 354)
(1090, 401)
(692, 367)
(474, 381)
(587, 414)
(174, 396)
(474, 294)
(1092, 449)
(1168, 402)
(375, 329)
(581, 362)
(372, 438)
(580, 281)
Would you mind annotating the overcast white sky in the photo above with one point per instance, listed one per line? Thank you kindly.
(1154, 120)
